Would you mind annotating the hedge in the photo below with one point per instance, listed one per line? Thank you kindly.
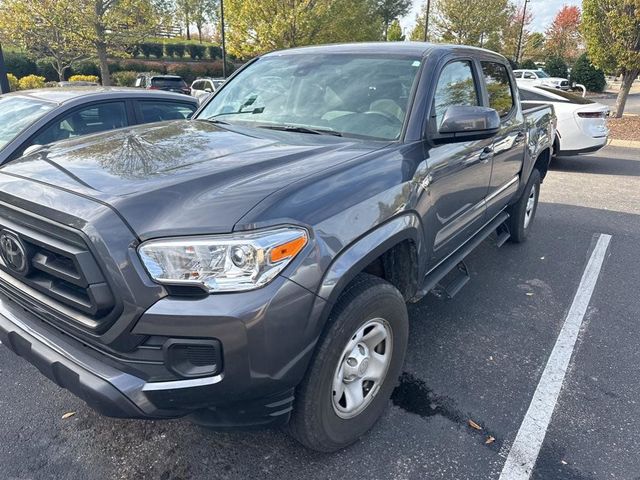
(31, 81)
(13, 82)
(125, 78)
(84, 78)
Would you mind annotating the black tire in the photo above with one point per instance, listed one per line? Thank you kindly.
(518, 225)
(314, 421)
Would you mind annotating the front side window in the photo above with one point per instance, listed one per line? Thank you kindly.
(17, 113)
(496, 77)
(160, 111)
(349, 94)
(87, 120)
(456, 86)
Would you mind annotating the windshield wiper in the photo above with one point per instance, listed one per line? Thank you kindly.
(214, 120)
(300, 129)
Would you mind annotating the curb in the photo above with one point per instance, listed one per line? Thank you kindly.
(624, 143)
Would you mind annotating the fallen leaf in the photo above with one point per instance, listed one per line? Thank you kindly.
(491, 357)
(473, 424)
(489, 440)
(529, 294)
(67, 415)
(563, 462)
(541, 258)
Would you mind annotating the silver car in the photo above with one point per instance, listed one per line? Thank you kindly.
(39, 117)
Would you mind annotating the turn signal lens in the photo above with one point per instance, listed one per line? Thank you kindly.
(289, 249)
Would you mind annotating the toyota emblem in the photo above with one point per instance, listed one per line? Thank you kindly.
(13, 252)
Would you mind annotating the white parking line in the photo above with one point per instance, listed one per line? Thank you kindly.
(524, 451)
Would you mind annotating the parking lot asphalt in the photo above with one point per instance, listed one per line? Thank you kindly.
(476, 357)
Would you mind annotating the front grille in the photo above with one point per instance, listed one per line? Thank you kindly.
(61, 273)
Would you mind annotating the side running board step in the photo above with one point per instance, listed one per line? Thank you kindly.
(435, 276)
(457, 278)
(503, 234)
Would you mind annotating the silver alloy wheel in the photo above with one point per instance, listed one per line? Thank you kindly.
(362, 368)
(531, 203)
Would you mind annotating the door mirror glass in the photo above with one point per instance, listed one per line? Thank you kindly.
(460, 123)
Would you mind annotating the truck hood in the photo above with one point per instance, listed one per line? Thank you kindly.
(184, 177)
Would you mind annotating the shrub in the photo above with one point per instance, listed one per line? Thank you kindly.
(85, 68)
(140, 66)
(528, 64)
(84, 78)
(125, 78)
(145, 49)
(585, 73)
(13, 82)
(196, 51)
(170, 49)
(19, 64)
(46, 70)
(215, 52)
(157, 50)
(556, 67)
(179, 49)
(31, 81)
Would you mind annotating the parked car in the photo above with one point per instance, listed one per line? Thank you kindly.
(39, 117)
(203, 87)
(168, 83)
(78, 83)
(251, 267)
(582, 123)
(540, 77)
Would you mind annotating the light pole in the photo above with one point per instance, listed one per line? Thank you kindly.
(524, 16)
(224, 49)
(4, 81)
(426, 21)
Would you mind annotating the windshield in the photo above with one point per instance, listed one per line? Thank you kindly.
(17, 113)
(570, 97)
(362, 96)
(164, 82)
(542, 74)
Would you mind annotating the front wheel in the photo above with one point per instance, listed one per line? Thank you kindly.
(355, 368)
(524, 210)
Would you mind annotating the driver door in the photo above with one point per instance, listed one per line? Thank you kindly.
(458, 174)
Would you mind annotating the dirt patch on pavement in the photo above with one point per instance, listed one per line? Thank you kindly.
(625, 128)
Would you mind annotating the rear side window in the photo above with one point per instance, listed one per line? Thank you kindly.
(168, 82)
(528, 96)
(91, 119)
(496, 76)
(568, 97)
(456, 86)
(159, 111)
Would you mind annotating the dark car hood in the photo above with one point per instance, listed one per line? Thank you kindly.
(184, 177)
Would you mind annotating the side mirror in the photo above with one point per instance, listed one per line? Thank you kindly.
(461, 123)
(208, 90)
(31, 149)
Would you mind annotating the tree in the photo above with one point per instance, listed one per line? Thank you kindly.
(534, 46)
(389, 10)
(395, 32)
(563, 36)
(585, 73)
(185, 8)
(41, 28)
(257, 27)
(468, 23)
(556, 67)
(113, 26)
(512, 30)
(417, 34)
(528, 64)
(204, 11)
(612, 33)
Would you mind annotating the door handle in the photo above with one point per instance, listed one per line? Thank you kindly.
(486, 154)
(520, 136)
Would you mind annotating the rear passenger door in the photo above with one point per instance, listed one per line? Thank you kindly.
(459, 172)
(508, 147)
(149, 111)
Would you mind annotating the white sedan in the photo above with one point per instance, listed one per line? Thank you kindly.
(582, 123)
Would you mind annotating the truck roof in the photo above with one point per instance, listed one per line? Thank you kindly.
(406, 48)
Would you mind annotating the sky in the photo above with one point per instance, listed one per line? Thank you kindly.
(543, 12)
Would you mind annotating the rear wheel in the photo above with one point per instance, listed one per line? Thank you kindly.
(523, 212)
(355, 368)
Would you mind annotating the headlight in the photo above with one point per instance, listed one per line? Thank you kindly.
(222, 263)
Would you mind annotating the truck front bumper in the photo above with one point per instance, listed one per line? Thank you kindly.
(242, 394)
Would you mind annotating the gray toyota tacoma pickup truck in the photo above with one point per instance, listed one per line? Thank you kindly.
(251, 266)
